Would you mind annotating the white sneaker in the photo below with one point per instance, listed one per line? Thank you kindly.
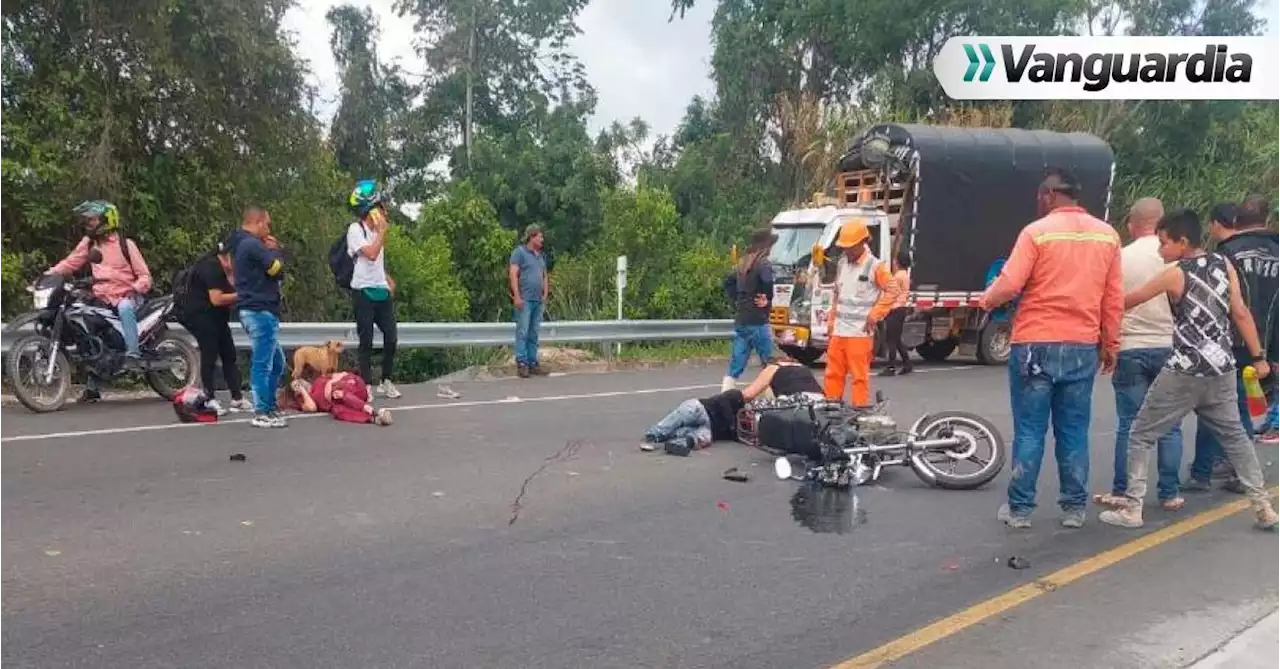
(728, 384)
(265, 420)
(241, 404)
(217, 408)
(388, 390)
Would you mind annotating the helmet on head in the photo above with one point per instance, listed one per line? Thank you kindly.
(853, 233)
(365, 196)
(105, 215)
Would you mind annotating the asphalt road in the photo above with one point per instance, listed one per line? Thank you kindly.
(131, 542)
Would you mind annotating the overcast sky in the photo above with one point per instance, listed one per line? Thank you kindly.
(640, 64)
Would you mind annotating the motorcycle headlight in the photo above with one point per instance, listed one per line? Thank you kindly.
(40, 298)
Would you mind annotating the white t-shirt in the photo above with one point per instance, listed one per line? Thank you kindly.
(1150, 324)
(368, 273)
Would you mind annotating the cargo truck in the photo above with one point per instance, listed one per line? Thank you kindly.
(955, 199)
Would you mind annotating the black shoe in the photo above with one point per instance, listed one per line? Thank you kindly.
(522, 371)
(888, 370)
(535, 370)
(89, 396)
(681, 446)
(904, 371)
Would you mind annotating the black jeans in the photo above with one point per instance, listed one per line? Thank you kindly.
(368, 314)
(893, 324)
(213, 335)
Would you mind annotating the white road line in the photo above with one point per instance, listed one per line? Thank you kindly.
(411, 407)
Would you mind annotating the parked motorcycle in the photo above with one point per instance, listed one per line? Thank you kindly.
(842, 446)
(74, 330)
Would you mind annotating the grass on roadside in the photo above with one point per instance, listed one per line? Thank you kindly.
(667, 351)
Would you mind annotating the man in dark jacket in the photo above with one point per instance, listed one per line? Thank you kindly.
(750, 286)
(1251, 248)
(259, 270)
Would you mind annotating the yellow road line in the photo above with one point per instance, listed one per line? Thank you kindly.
(905, 645)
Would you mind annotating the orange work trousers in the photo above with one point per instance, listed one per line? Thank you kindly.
(845, 356)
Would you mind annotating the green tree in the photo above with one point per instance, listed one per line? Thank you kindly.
(373, 96)
(490, 62)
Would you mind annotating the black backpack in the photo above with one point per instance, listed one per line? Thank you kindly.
(341, 262)
(180, 284)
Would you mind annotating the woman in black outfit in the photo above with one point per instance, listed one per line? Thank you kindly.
(207, 316)
(896, 319)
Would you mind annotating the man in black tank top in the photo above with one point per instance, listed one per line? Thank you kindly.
(1199, 376)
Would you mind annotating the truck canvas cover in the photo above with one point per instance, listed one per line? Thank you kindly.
(974, 190)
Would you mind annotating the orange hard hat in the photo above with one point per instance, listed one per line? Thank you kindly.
(853, 233)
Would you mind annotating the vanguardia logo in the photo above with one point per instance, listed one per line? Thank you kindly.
(987, 58)
(1097, 71)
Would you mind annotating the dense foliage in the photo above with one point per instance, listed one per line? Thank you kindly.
(183, 113)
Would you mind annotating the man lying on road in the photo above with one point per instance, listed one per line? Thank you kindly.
(698, 422)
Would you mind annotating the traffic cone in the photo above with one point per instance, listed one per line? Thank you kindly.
(1254, 397)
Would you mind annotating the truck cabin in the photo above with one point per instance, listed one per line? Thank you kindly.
(956, 200)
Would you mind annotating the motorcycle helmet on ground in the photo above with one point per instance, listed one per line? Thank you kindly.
(193, 405)
(365, 197)
(99, 217)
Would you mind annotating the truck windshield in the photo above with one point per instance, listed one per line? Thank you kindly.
(794, 243)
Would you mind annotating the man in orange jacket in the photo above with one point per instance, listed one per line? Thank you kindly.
(865, 292)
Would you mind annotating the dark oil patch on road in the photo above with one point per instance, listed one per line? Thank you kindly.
(826, 510)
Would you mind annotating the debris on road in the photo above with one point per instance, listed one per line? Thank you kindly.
(734, 474)
(1016, 562)
(247, 523)
(53, 552)
(238, 457)
(723, 506)
(438, 493)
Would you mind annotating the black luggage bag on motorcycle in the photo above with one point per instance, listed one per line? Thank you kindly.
(794, 431)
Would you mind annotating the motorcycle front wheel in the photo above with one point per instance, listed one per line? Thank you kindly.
(179, 362)
(25, 366)
(984, 451)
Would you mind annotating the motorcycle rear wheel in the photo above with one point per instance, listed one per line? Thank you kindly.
(166, 383)
(38, 346)
(983, 437)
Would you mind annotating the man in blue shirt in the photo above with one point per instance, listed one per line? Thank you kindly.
(527, 273)
(259, 269)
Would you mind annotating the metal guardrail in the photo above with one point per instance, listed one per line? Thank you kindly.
(440, 335)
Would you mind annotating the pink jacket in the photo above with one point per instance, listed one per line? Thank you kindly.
(116, 278)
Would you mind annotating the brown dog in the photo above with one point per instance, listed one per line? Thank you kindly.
(321, 360)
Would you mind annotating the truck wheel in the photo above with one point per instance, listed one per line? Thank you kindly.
(994, 344)
(937, 350)
(805, 356)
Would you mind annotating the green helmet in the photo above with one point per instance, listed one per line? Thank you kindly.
(106, 214)
(365, 197)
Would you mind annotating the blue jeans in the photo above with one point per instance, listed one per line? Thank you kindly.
(528, 320)
(128, 311)
(1051, 382)
(690, 419)
(1135, 370)
(267, 364)
(748, 338)
(1208, 450)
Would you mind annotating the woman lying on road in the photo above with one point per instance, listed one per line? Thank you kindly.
(698, 422)
(342, 394)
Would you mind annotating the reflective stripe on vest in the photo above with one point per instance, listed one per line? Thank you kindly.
(858, 294)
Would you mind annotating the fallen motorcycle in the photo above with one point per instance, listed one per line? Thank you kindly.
(839, 445)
